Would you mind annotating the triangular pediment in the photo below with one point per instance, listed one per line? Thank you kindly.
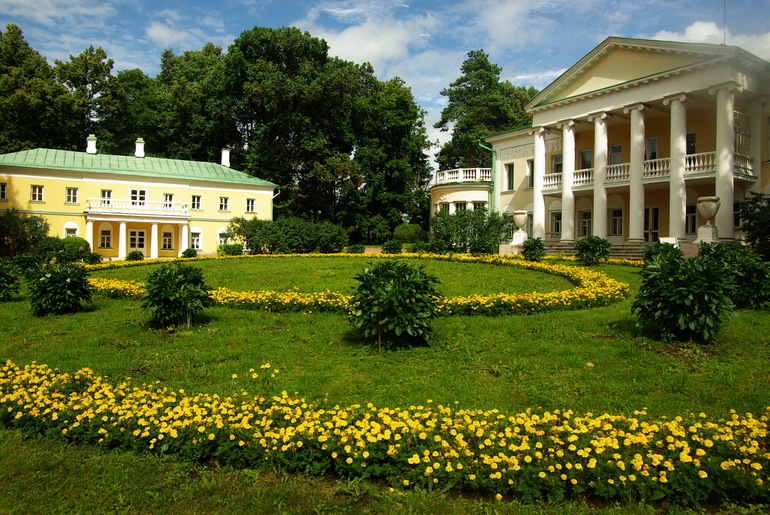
(618, 61)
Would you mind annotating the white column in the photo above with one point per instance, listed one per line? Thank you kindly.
(600, 175)
(636, 172)
(538, 202)
(677, 195)
(90, 234)
(754, 112)
(184, 238)
(725, 160)
(567, 178)
(154, 241)
(122, 240)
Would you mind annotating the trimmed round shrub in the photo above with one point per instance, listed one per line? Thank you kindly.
(592, 249)
(58, 288)
(667, 250)
(331, 238)
(135, 255)
(189, 253)
(408, 233)
(356, 248)
(9, 280)
(75, 249)
(392, 247)
(92, 258)
(533, 249)
(483, 245)
(230, 249)
(417, 246)
(176, 295)
(394, 303)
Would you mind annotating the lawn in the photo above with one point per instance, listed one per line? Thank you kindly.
(590, 360)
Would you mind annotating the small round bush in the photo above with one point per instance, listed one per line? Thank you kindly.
(662, 249)
(176, 295)
(189, 253)
(418, 246)
(533, 249)
(356, 248)
(58, 288)
(9, 280)
(75, 249)
(437, 247)
(408, 233)
(483, 245)
(135, 255)
(92, 258)
(331, 238)
(230, 249)
(392, 247)
(592, 249)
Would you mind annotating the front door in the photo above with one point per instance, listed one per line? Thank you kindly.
(650, 224)
(136, 241)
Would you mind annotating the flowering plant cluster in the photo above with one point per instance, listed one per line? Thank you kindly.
(530, 455)
(592, 289)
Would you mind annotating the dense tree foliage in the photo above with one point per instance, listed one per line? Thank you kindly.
(343, 146)
(479, 104)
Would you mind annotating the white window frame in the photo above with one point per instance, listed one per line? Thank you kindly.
(195, 240)
(168, 200)
(585, 157)
(136, 236)
(138, 196)
(530, 174)
(555, 222)
(224, 204)
(509, 177)
(615, 216)
(557, 163)
(167, 240)
(650, 149)
(460, 206)
(3, 191)
(443, 207)
(195, 202)
(251, 205)
(105, 238)
(36, 193)
(615, 154)
(106, 197)
(585, 223)
(71, 195)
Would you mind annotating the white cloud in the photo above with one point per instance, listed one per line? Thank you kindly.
(537, 78)
(710, 32)
(53, 13)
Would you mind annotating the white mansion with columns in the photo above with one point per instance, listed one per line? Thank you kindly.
(623, 144)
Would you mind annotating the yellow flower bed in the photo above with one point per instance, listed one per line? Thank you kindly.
(532, 454)
(592, 289)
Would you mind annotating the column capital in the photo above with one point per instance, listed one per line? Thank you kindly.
(681, 97)
(567, 123)
(641, 107)
(730, 86)
(603, 115)
(540, 130)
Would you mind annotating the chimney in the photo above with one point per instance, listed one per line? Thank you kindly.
(226, 157)
(139, 152)
(91, 144)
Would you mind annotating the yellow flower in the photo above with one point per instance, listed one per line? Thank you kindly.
(405, 482)
(498, 497)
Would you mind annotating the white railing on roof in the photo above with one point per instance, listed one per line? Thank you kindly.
(464, 175)
(136, 207)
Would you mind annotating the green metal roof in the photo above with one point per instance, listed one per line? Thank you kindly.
(129, 165)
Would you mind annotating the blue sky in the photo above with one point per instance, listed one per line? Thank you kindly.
(424, 42)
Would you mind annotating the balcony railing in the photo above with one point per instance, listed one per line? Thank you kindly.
(657, 168)
(552, 180)
(700, 163)
(619, 172)
(136, 207)
(583, 176)
(464, 175)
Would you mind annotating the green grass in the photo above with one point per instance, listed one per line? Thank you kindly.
(589, 360)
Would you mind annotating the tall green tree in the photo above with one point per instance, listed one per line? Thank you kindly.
(36, 111)
(479, 104)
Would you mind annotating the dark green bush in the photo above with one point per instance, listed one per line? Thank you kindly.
(230, 249)
(330, 238)
(686, 299)
(57, 288)
(462, 228)
(751, 274)
(288, 235)
(408, 233)
(189, 253)
(483, 245)
(592, 249)
(135, 255)
(668, 250)
(92, 258)
(9, 280)
(176, 295)
(75, 249)
(755, 222)
(418, 246)
(533, 249)
(394, 303)
(392, 247)
(437, 247)
(356, 248)
(20, 233)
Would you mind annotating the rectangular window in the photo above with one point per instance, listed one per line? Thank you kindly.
(167, 242)
(479, 206)
(70, 232)
(690, 220)
(136, 240)
(223, 239)
(224, 204)
(556, 222)
(509, 177)
(651, 148)
(250, 203)
(616, 222)
(737, 216)
(530, 173)
(584, 219)
(616, 154)
(196, 202)
(690, 143)
(138, 197)
(168, 200)
(105, 239)
(3, 191)
(72, 196)
(585, 160)
(36, 194)
(461, 206)
(444, 207)
(557, 163)
(195, 240)
(106, 197)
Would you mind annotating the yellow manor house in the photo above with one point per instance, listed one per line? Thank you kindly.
(624, 143)
(119, 204)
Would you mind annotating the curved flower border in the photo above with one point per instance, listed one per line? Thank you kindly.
(592, 289)
(529, 455)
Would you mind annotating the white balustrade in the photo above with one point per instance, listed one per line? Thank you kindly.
(657, 168)
(142, 207)
(618, 172)
(743, 164)
(464, 175)
(583, 176)
(551, 181)
(700, 163)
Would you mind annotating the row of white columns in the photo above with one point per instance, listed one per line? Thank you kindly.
(154, 239)
(724, 186)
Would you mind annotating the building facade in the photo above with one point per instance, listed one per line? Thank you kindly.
(624, 143)
(119, 204)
